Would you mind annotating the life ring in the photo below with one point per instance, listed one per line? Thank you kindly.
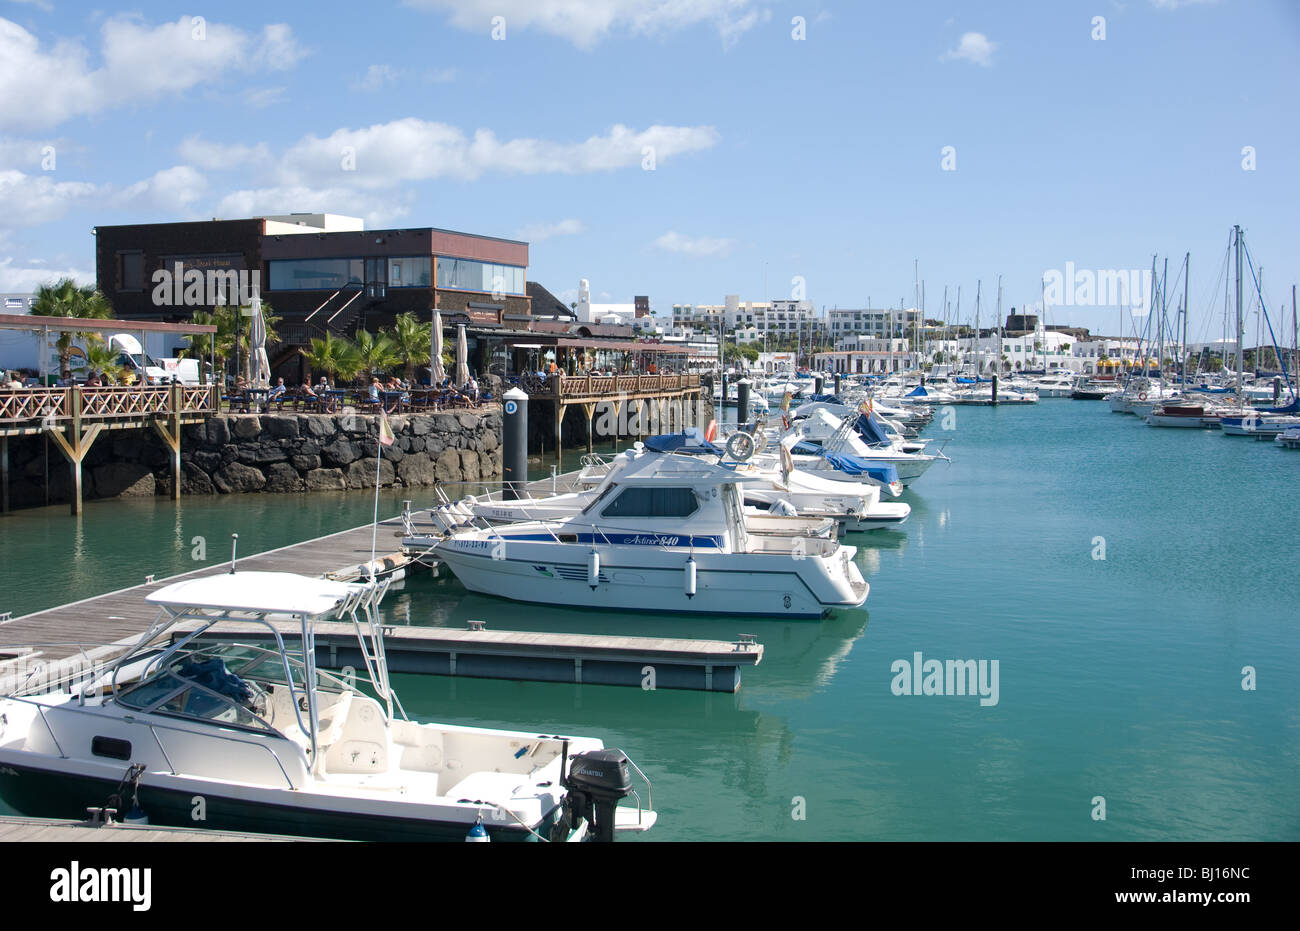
(1142, 395)
(740, 447)
(711, 432)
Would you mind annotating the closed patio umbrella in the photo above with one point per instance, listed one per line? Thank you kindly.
(436, 372)
(462, 353)
(260, 365)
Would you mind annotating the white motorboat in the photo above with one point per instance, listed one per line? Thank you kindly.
(667, 533)
(853, 507)
(221, 700)
(839, 437)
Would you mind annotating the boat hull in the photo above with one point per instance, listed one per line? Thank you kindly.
(49, 787)
(645, 579)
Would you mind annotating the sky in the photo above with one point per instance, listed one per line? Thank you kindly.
(684, 149)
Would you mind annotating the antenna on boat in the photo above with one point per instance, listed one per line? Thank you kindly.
(234, 545)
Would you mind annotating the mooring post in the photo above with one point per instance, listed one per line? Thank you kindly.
(818, 382)
(995, 387)
(514, 443)
(742, 401)
(837, 384)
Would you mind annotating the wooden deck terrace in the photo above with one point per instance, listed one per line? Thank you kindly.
(73, 417)
(672, 395)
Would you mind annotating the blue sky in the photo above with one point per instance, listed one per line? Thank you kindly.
(774, 158)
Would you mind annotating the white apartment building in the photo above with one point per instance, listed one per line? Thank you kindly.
(843, 323)
(749, 321)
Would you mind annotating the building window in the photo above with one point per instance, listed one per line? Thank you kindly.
(130, 271)
(315, 274)
(469, 275)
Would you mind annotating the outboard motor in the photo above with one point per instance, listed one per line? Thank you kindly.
(595, 782)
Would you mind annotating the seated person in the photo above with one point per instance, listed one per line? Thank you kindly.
(374, 389)
(278, 391)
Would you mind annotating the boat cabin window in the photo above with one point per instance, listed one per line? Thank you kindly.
(184, 692)
(645, 501)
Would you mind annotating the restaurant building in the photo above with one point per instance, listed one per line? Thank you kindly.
(321, 273)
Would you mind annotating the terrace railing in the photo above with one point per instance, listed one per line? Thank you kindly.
(565, 387)
(56, 405)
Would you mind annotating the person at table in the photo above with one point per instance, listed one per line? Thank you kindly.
(277, 392)
(471, 389)
(323, 386)
(305, 389)
(374, 389)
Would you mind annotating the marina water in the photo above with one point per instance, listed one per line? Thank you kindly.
(1119, 678)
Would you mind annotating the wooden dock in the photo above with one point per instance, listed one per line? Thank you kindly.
(98, 629)
(648, 662)
(125, 615)
(52, 830)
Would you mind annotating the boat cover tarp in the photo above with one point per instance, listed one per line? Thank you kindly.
(882, 472)
(690, 441)
(872, 431)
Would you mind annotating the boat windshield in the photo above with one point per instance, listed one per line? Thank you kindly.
(227, 683)
(176, 693)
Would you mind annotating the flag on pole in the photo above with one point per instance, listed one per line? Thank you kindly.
(385, 429)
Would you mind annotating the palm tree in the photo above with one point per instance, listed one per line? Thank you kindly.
(334, 356)
(65, 299)
(412, 341)
(103, 359)
(375, 353)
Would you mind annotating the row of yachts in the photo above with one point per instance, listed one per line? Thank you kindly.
(1164, 404)
(755, 522)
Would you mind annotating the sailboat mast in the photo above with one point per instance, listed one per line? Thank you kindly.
(1241, 358)
(1187, 274)
(979, 339)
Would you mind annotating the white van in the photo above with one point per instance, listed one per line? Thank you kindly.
(191, 372)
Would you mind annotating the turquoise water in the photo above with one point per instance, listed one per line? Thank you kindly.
(1119, 678)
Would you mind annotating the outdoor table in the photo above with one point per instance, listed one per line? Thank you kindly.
(392, 401)
(256, 399)
(334, 398)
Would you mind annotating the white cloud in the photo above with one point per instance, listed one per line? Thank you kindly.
(281, 199)
(586, 22)
(29, 200)
(388, 154)
(44, 85)
(543, 231)
(700, 247)
(974, 47)
(32, 199)
(219, 156)
(376, 77)
(28, 277)
(170, 192)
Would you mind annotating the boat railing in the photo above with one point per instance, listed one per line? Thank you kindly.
(649, 790)
(80, 663)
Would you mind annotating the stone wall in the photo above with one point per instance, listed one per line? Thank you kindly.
(237, 453)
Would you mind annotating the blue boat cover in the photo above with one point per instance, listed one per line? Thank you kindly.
(690, 441)
(825, 399)
(918, 392)
(872, 430)
(882, 472)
